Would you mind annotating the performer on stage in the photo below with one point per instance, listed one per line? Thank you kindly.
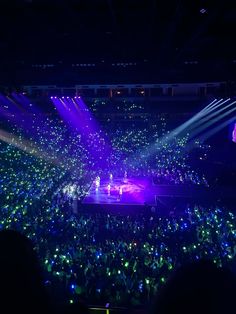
(109, 189)
(125, 177)
(111, 177)
(97, 182)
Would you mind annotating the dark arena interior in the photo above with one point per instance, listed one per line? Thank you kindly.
(118, 156)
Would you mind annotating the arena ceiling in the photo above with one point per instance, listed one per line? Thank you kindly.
(166, 34)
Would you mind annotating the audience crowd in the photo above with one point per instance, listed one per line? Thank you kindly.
(102, 257)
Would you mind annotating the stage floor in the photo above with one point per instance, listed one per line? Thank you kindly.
(141, 191)
(132, 191)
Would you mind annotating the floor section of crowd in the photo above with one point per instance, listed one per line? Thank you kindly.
(101, 257)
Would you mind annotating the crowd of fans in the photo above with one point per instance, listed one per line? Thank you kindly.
(100, 257)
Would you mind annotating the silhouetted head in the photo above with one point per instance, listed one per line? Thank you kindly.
(200, 287)
(20, 277)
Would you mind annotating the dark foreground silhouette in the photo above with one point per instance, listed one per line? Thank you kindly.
(200, 287)
(21, 284)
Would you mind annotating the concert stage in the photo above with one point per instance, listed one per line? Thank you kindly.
(134, 194)
(130, 191)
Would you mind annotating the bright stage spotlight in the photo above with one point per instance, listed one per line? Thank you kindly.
(215, 101)
(200, 125)
(192, 121)
(216, 129)
(26, 146)
(200, 117)
(185, 128)
(216, 105)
